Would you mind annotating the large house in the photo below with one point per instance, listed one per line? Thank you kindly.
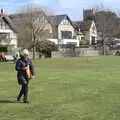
(63, 30)
(62, 27)
(86, 30)
(8, 36)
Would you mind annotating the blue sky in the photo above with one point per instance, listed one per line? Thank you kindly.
(73, 8)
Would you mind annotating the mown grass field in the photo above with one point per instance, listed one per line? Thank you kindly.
(86, 88)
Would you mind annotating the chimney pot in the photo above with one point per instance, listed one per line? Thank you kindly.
(1, 10)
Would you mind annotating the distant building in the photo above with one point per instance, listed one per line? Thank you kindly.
(8, 34)
(62, 27)
(63, 30)
(86, 30)
(89, 14)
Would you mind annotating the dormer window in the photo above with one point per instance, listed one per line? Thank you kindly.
(65, 22)
(4, 36)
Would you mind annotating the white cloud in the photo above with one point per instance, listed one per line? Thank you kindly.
(42, 2)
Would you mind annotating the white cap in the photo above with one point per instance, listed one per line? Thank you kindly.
(25, 52)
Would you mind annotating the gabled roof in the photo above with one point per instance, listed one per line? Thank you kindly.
(18, 19)
(56, 19)
(8, 21)
(83, 25)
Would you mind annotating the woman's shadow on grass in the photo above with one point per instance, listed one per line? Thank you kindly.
(8, 101)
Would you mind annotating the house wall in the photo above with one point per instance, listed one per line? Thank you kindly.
(8, 38)
(65, 25)
(13, 37)
(65, 28)
(11, 41)
(79, 37)
(93, 32)
(65, 41)
(87, 35)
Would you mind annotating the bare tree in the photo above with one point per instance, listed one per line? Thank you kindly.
(106, 22)
(32, 24)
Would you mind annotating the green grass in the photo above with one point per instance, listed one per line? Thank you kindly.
(86, 88)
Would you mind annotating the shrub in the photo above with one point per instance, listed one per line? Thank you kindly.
(46, 47)
(84, 42)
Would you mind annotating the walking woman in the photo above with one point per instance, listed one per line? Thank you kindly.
(25, 72)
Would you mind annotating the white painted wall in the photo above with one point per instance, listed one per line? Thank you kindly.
(13, 38)
(88, 34)
(65, 41)
(91, 33)
(65, 25)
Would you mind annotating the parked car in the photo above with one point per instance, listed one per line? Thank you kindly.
(9, 57)
(2, 57)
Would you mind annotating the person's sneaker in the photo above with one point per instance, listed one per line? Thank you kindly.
(18, 99)
(26, 101)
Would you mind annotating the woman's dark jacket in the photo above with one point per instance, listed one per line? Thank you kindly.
(21, 74)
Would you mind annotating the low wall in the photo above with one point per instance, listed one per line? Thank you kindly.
(77, 52)
(36, 55)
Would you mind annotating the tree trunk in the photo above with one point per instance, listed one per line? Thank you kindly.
(34, 56)
(103, 47)
(34, 46)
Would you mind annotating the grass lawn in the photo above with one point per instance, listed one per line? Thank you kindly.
(86, 88)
